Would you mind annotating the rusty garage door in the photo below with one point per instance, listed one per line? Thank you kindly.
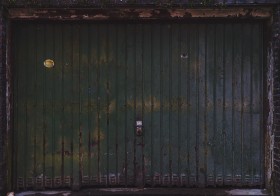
(132, 104)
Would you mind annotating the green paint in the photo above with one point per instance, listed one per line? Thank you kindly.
(196, 87)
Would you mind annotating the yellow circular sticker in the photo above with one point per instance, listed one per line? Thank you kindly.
(48, 63)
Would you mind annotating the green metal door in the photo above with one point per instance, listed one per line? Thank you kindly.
(197, 89)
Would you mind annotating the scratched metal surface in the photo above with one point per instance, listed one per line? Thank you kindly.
(197, 87)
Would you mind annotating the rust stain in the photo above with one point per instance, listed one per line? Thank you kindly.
(152, 104)
(138, 104)
(98, 135)
(130, 103)
(148, 104)
(156, 103)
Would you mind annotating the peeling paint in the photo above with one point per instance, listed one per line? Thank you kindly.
(145, 14)
(177, 13)
(100, 16)
(44, 12)
(148, 13)
(269, 137)
(74, 16)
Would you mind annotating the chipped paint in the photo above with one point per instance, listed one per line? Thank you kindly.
(145, 14)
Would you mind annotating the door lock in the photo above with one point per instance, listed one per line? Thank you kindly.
(139, 128)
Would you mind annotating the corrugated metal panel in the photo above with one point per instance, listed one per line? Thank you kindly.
(196, 87)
